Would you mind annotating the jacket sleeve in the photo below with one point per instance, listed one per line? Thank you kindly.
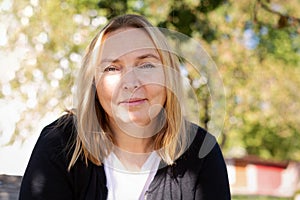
(46, 176)
(213, 178)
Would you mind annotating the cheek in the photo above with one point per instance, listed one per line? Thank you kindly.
(106, 87)
(157, 93)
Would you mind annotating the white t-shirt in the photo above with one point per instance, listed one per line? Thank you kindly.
(127, 185)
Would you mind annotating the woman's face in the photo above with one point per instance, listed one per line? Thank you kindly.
(130, 78)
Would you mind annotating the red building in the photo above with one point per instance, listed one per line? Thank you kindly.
(253, 176)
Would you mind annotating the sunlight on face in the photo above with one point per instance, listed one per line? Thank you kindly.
(130, 77)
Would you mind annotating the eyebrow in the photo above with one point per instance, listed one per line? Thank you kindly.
(109, 60)
(148, 55)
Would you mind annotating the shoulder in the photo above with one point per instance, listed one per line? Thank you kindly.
(61, 129)
(203, 150)
(201, 145)
(207, 161)
(201, 141)
(58, 135)
(204, 155)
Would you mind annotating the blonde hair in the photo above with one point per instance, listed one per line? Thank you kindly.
(94, 141)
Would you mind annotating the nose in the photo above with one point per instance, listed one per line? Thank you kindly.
(130, 80)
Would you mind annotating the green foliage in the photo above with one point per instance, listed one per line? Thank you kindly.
(258, 198)
(257, 53)
(113, 8)
(206, 6)
(281, 44)
(182, 19)
(193, 19)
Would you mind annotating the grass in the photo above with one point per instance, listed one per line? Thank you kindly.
(259, 198)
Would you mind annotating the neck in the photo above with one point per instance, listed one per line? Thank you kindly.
(132, 138)
(133, 144)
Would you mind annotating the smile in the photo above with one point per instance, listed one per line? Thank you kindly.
(133, 102)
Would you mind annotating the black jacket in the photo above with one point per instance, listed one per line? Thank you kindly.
(194, 175)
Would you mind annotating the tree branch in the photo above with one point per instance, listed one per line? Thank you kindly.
(284, 19)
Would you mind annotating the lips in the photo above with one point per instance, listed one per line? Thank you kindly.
(133, 101)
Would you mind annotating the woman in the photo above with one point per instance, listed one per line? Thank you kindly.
(127, 137)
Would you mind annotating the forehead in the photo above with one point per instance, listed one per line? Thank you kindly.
(123, 41)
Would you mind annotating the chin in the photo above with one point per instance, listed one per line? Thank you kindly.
(136, 122)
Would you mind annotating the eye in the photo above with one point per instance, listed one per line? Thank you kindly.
(146, 66)
(111, 68)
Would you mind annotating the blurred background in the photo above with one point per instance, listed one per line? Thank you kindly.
(255, 45)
